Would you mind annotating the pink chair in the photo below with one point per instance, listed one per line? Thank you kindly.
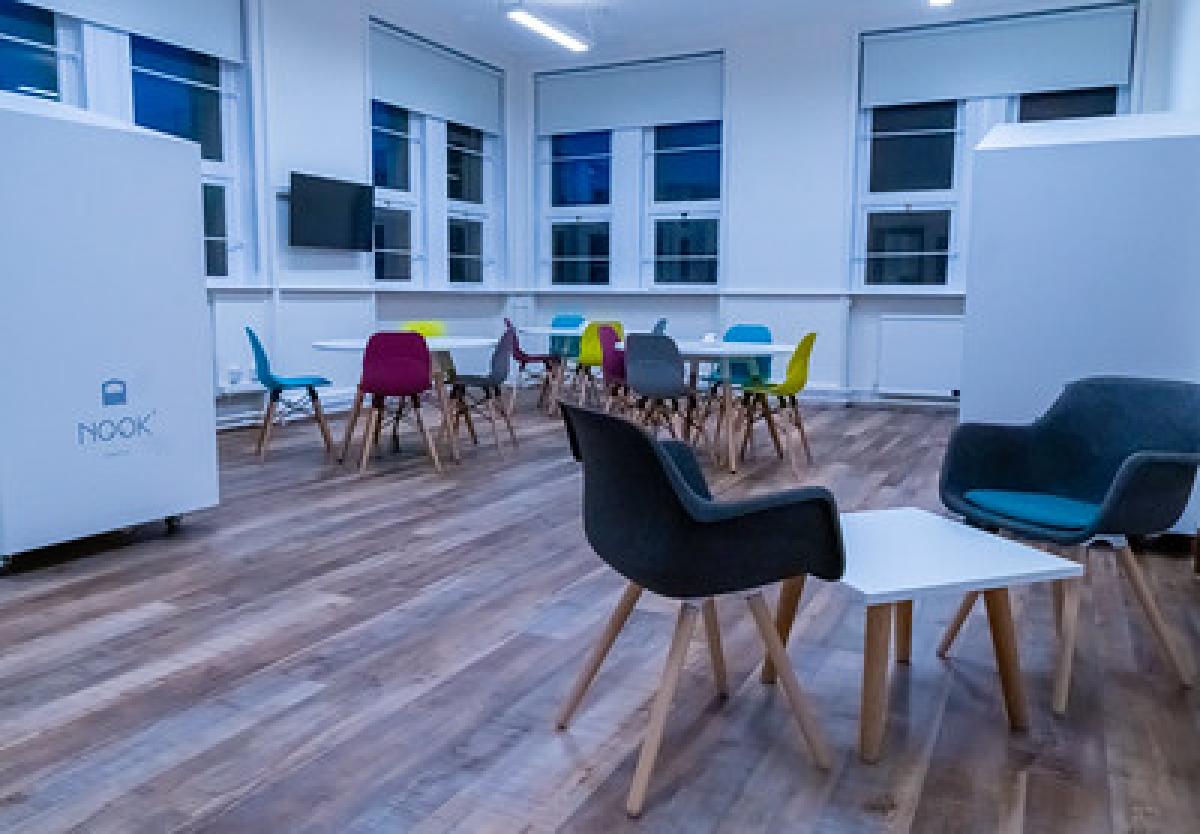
(613, 364)
(394, 365)
(550, 367)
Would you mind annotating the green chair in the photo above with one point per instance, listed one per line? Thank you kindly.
(757, 405)
(591, 356)
(276, 387)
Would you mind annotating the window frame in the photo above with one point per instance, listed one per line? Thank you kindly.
(551, 215)
(487, 212)
(68, 52)
(413, 201)
(570, 221)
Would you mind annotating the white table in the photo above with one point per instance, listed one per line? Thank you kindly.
(894, 557)
(542, 330)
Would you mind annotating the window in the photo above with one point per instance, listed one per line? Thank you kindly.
(28, 51)
(581, 169)
(178, 91)
(913, 147)
(464, 163)
(908, 247)
(580, 252)
(393, 244)
(1070, 104)
(390, 146)
(685, 251)
(465, 240)
(687, 162)
(216, 232)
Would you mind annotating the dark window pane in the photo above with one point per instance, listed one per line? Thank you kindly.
(580, 272)
(389, 161)
(389, 117)
(465, 237)
(581, 144)
(702, 271)
(216, 258)
(467, 138)
(180, 110)
(908, 247)
(581, 182)
(907, 117)
(393, 266)
(214, 211)
(27, 22)
(695, 135)
(28, 69)
(687, 175)
(579, 240)
(1070, 104)
(464, 176)
(912, 163)
(466, 271)
(393, 229)
(175, 61)
(686, 238)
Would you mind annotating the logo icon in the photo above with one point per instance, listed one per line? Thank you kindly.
(113, 392)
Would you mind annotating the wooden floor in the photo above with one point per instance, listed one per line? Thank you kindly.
(334, 653)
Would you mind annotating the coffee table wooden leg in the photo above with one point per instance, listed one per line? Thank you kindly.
(1004, 642)
(1069, 626)
(790, 591)
(904, 623)
(873, 712)
(960, 617)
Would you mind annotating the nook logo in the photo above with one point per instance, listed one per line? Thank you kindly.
(114, 429)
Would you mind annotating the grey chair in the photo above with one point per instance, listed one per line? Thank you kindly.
(654, 373)
(648, 513)
(482, 394)
(1113, 457)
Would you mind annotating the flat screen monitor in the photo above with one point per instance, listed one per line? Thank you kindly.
(330, 214)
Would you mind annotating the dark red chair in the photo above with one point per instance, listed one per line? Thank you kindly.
(550, 366)
(395, 365)
(616, 388)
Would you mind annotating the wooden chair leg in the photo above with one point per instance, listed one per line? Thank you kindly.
(684, 628)
(1004, 643)
(264, 434)
(873, 711)
(765, 406)
(429, 444)
(791, 687)
(903, 613)
(1167, 644)
(960, 617)
(370, 436)
(489, 404)
(803, 433)
(351, 422)
(319, 415)
(465, 410)
(506, 416)
(1068, 629)
(613, 628)
(712, 630)
(790, 591)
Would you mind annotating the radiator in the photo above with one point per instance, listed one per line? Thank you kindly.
(920, 355)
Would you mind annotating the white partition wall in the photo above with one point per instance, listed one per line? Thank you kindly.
(1083, 259)
(105, 340)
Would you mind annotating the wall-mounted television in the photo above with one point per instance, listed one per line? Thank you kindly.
(330, 214)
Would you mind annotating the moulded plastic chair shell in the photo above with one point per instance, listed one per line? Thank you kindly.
(590, 353)
(797, 371)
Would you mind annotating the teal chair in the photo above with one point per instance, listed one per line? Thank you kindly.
(756, 371)
(276, 387)
(566, 347)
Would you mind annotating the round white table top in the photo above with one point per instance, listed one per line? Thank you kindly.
(700, 349)
(543, 330)
(437, 344)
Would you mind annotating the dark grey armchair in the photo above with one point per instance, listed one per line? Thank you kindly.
(1114, 456)
(648, 513)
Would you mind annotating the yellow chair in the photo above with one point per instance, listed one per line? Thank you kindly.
(443, 362)
(430, 329)
(756, 403)
(591, 356)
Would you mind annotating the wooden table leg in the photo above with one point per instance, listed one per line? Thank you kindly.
(790, 591)
(873, 712)
(1068, 628)
(1004, 643)
(904, 624)
(443, 399)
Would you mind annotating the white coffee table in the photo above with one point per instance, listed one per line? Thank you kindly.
(894, 557)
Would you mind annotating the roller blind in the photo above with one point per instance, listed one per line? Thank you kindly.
(213, 27)
(426, 78)
(669, 91)
(1030, 54)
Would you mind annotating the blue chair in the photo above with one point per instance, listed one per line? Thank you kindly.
(276, 387)
(1113, 457)
(566, 347)
(758, 370)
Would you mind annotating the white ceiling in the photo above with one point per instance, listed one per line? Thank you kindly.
(629, 28)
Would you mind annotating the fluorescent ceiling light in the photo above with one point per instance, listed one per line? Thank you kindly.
(547, 31)
(937, 3)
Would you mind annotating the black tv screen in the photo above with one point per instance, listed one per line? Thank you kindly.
(330, 214)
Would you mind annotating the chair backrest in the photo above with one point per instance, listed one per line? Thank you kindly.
(653, 366)
(660, 327)
(798, 366)
(502, 357)
(613, 356)
(1097, 423)
(565, 346)
(262, 365)
(521, 356)
(396, 365)
(759, 370)
(589, 344)
(430, 329)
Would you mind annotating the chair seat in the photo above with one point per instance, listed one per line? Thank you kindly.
(1038, 508)
(475, 381)
(285, 383)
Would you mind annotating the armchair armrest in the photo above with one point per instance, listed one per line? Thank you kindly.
(684, 459)
(1149, 493)
(982, 455)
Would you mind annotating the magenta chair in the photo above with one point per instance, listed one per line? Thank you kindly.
(550, 366)
(395, 365)
(616, 388)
